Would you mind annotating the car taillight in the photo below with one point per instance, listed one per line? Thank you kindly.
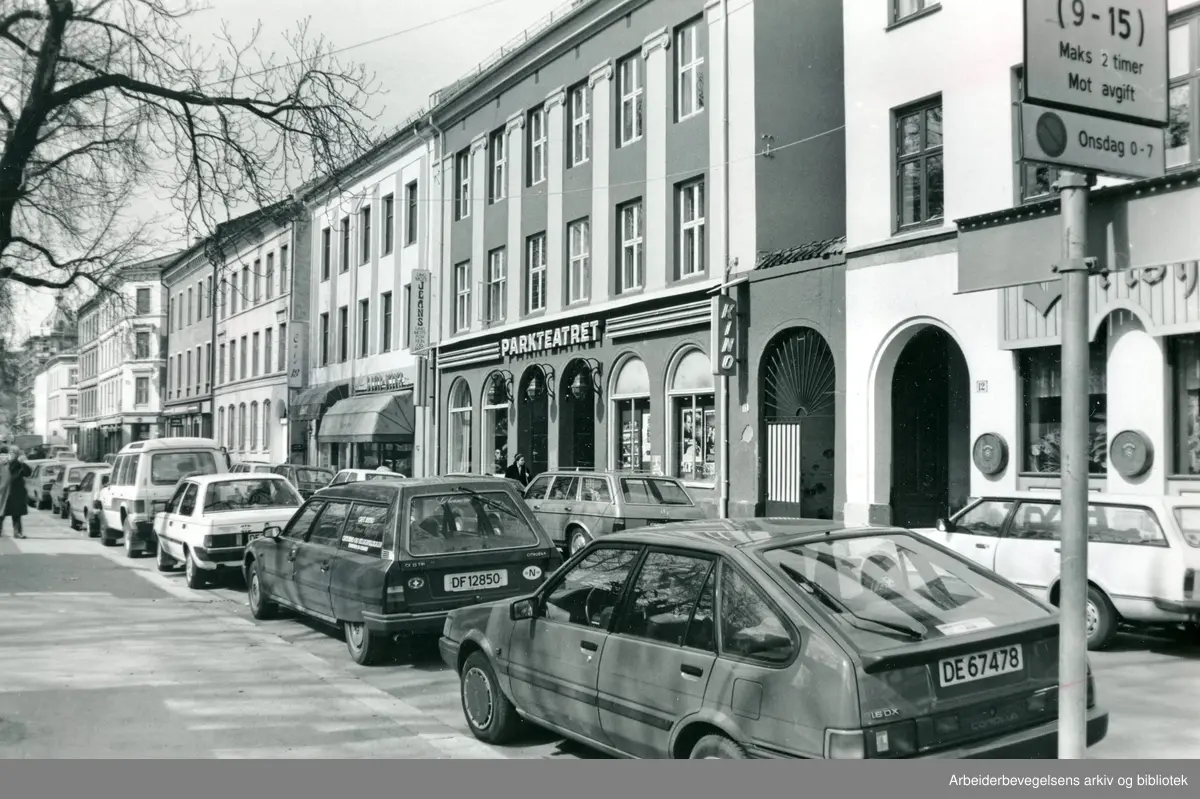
(1091, 690)
(1192, 537)
(1189, 582)
(845, 745)
(139, 506)
(393, 596)
(96, 504)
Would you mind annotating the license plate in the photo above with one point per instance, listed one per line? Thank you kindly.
(251, 536)
(476, 581)
(980, 665)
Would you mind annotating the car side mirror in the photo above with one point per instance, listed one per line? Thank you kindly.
(272, 533)
(946, 526)
(523, 609)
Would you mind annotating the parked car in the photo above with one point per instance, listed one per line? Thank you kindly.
(768, 638)
(306, 479)
(68, 481)
(1143, 553)
(389, 558)
(41, 483)
(110, 458)
(84, 503)
(577, 506)
(210, 519)
(33, 482)
(358, 475)
(144, 478)
(514, 483)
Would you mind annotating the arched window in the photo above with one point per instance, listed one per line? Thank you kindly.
(693, 418)
(631, 415)
(496, 391)
(460, 427)
(221, 427)
(242, 427)
(254, 426)
(266, 426)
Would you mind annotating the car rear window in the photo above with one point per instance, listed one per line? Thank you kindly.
(893, 588)
(250, 495)
(649, 491)
(468, 522)
(313, 476)
(168, 468)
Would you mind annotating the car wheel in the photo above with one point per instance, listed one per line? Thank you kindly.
(93, 525)
(577, 541)
(64, 510)
(366, 648)
(490, 715)
(197, 578)
(717, 747)
(164, 561)
(261, 606)
(1101, 619)
(127, 534)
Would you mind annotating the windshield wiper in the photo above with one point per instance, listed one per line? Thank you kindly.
(491, 503)
(914, 632)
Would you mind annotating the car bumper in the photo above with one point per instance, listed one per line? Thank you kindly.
(448, 649)
(1036, 743)
(1187, 607)
(212, 559)
(143, 533)
(398, 623)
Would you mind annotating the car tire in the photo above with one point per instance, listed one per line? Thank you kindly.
(261, 606)
(366, 648)
(93, 525)
(491, 716)
(75, 523)
(163, 561)
(717, 747)
(127, 535)
(64, 510)
(577, 539)
(1101, 619)
(196, 577)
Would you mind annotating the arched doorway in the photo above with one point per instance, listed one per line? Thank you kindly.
(577, 416)
(533, 420)
(931, 429)
(799, 381)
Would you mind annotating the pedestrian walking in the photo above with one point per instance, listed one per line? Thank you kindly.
(519, 471)
(14, 501)
(228, 460)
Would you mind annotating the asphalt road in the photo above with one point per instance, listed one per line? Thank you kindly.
(103, 657)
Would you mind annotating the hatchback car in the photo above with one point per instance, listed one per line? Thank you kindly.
(577, 506)
(68, 481)
(83, 502)
(211, 518)
(768, 638)
(306, 479)
(389, 558)
(1143, 553)
(42, 483)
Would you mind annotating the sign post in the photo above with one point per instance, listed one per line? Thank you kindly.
(1095, 87)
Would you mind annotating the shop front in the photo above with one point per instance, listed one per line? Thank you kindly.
(114, 432)
(307, 410)
(188, 421)
(626, 391)
(375, 426)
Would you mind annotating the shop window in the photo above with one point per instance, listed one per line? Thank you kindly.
(1186, 398)
(693, 418)
(1041, 379)
(495, 424)
(1183, 67)
(398, 457)
(460, 428)
(631, 416)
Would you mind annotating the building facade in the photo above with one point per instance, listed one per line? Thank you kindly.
(367, 237)
(62, 400)
(953, 386)
(41, 404)
(189, 281)
(595, 190)
(260, 304)
(58, 333)
(89, 380)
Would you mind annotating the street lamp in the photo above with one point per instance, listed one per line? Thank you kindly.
(540, 382)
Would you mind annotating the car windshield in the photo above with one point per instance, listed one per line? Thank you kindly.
(650, 491)
(313, 476)
(895, 586)
(1188, 517)
(237, 495)
(168, 468)
(467, 522)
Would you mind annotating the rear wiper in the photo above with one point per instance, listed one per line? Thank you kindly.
(916, 633)
(491, 503)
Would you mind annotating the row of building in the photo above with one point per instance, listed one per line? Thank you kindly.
(759, 246)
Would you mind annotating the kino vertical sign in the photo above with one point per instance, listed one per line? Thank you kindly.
(724, 336)
(1095, 85)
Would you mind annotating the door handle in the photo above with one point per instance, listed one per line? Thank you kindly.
(691, 671)
(981, 546)
(325, 566)
(292, 555)
(567, 508)
(588, 646)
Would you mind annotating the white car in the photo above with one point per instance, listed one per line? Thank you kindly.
(1143, 553)
(210, 519)
(84, 503)
(355, 475)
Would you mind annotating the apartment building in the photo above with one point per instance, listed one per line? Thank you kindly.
(953, 385)
(62, 400)
(56, 334)
(261, 304)
(367, 237)
(189, 281)
(89, 448)
(595, 186)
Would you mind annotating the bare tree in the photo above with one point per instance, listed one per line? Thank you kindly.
(103, 102)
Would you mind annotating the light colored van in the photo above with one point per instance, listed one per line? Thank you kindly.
(143, 480)
(1143, 553)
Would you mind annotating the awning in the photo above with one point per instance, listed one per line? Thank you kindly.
(310, 402)
(370, 419)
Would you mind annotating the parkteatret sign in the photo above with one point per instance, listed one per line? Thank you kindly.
(550, 338)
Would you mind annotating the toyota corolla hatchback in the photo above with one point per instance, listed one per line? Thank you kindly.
(768, 638)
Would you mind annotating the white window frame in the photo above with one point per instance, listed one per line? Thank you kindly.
(690, 100)
(460, 461)
(581, 124)
(487, 430)
(497, 286)
(537, 146)
(630, 71)
(673, 428)
(579, 268)
(633, 249)
(691, 231)
(462, 296)
(462, 176)
(536, 259)
(499, 157)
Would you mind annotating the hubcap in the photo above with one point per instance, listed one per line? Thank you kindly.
(477, 695)
(355, 633)
(254, 596)
(578, 543)
(1093, 618)
(191, 567)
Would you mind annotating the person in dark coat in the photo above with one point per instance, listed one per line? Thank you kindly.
(14, 501)
(518, 471)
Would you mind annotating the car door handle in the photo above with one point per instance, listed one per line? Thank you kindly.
(292, 555)
(589, 646)
(982, 546)
(325, 566)
(567, 508)
(691, 671)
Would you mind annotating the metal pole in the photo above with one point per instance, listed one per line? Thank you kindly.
(1072, 653)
